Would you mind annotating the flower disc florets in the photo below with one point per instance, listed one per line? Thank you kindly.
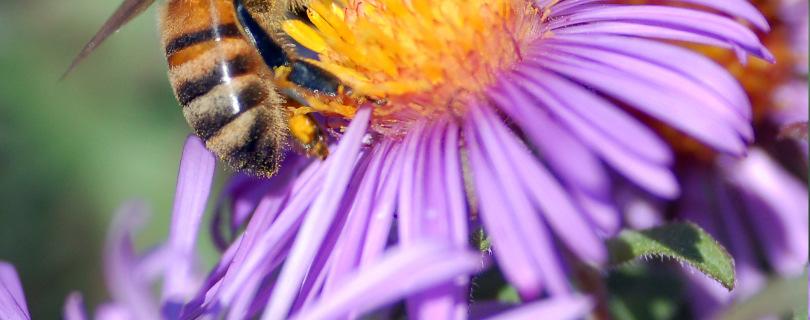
(421, 59)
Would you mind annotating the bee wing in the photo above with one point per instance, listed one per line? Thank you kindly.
(126, 11)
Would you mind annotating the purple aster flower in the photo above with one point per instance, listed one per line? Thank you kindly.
(509, 115)
(513, 116)
(131, 276)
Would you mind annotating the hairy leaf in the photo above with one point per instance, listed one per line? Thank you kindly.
(684, 242)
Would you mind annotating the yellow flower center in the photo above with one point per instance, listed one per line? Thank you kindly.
(418, 59)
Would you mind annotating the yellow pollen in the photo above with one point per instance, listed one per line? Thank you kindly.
(299, 30)
(417, 59)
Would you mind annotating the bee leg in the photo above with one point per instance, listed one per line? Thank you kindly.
(271, 51)
(313, 78)
(309, 135)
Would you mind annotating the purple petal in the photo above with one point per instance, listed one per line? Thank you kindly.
(489, 308)
(522, 244)
(600, 210)
(511, 251)
(630, 29)
(424, 265)
(74, 307)
(670, 18)
(364, 172)
(562, 308)
(454, 186)
(616, 150)
(424, 215)
(690, 91)
(557, 207)
(675, 64)
(706, 295)
(128, 287)
(640, 210)
(411, 199)
(563, 152)
(12, 298)
(246, 197)
(651, 99)
(381, 218)
(111, 311)
(576, 165)
(584, 107)
(244, 192)
(319, 218)
(347, 251)
(262, 249)
(737, 241)
(736, 8)
(778, 204)
(193, 187)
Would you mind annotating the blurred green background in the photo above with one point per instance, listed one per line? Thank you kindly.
(71, 151)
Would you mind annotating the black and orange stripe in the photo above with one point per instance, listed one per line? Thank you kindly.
(222, 83)
(184, 41)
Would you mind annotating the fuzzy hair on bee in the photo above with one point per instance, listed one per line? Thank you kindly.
(222, 57)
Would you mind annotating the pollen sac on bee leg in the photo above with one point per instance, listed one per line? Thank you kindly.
(309, 135)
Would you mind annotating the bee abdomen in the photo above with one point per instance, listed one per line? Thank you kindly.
(209, 113)
(241, 122)
(219, 79)
(222, 73)
(252, 142)
(186, 40)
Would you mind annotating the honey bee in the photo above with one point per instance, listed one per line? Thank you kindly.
(240, 81)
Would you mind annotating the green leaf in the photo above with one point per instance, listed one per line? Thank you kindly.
(782, 296)
(684, 242)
